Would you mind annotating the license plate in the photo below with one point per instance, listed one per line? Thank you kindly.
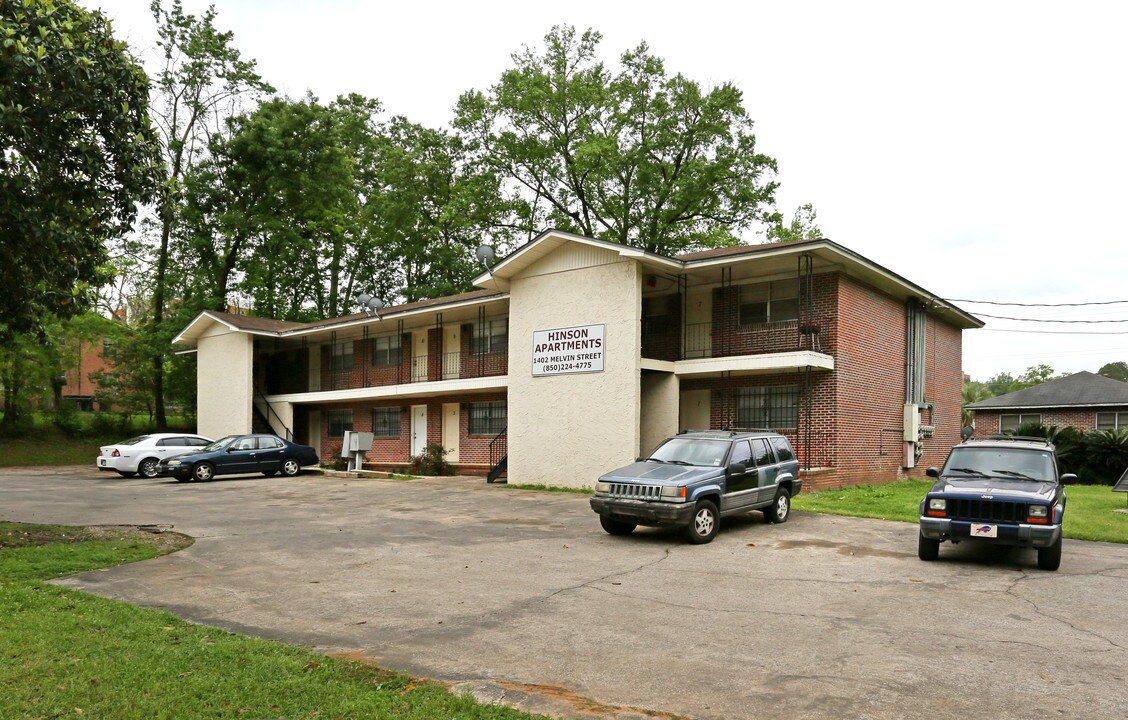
(984, 531)
(102, 463)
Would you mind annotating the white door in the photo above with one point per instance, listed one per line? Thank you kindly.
(450, 431)
(418, 429)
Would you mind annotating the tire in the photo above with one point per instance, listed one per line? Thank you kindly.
(1049, 558)
(291, 467)
(149, 468)
(203, 472)
(703, 528)
(126, 473)
(780, 509)
(615, 527)
(927, 548)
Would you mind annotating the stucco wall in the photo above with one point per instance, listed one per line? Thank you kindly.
(566, 430)
(659, 409)
(224, 363)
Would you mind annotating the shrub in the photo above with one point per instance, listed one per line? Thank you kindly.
(1105, 456)
(432, 461)
(335, 460)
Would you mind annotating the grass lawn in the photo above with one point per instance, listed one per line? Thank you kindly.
(65, 653)
(51, 448)
(1089, 511)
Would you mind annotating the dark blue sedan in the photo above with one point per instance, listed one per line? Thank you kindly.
(234, 454)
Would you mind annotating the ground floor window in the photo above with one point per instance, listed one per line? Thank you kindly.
(775, 407)
(487, 418)
(386, 422)
(1112, 420)
(339, 421)
(1010, 423)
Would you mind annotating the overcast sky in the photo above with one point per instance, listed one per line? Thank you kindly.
(978, 149)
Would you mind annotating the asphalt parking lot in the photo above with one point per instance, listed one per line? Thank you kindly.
(519, 596)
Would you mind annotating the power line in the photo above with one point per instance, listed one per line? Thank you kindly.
(1018, 304)
(1040, 320)
(1057, 332)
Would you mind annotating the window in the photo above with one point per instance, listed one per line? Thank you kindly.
(769, 302)
(339, 421)
(656, 315)
(269, 443)
(386, 350)
(487, 418)
(741, 453)
(1112, 420)
(783, 449)
(342, 356)
(386, 422)
(490, 336)
(768, 407)
(762, 452)
(244, 443)
(1010, 423)
(172, 442)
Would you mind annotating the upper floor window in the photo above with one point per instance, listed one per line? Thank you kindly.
(386, 350)
(656, 315)
(773, 408)
(1112, 420)
(338, 422)
(769, 302)
(491, 336)
(1010, 423)
(341, 356)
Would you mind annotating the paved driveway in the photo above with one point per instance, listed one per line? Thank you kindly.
(519, 595)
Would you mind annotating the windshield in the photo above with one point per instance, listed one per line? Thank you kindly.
(1000, 462)
(220, 443)
(692, 451)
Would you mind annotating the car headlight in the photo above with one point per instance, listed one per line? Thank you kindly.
(676, 492)
(173, 462)
(603, 487)
(1039, 511)
(940, 504)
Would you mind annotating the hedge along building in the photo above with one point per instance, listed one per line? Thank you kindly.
(578, 355)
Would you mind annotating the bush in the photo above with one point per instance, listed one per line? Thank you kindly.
(1105, 456)
(335, 460)
(431, 462)
(70, 421)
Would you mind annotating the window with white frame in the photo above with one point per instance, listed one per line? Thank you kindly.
(774, 407)
(769, 302)
(491, 336)
(1112, 420)
(386, 422)
(386, 350)
(341, 357)
(1010, 423)
(487, 418)
(339, 421)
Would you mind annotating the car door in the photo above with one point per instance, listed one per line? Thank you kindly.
(169, 447)
(241, 457)
(767, 470)
(271, 451)
(740, 488)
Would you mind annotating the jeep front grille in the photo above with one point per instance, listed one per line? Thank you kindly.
(637, 492)
(1000, 511)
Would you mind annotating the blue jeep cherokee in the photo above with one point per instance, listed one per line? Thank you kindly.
(1003, 490)
(695, 478)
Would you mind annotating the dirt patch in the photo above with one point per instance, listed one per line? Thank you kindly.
(160, 537)
(583, 705)
(848, 550)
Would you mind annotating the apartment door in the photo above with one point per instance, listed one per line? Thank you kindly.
(450, 430)
(418, 429)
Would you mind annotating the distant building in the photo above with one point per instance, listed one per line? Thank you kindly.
(77, 386)
(1084, 400)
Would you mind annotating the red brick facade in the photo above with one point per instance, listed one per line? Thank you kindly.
(1083, 419)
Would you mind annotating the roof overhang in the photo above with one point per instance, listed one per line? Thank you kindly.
(204, 322)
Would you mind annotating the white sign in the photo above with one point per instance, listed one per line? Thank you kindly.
(568, 350)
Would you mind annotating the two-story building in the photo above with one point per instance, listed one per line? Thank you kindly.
(577, 355)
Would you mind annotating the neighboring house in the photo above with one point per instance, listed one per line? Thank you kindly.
(75, 385)
(1084, 400)
(577, 355)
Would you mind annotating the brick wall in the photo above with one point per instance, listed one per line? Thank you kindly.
(1083, 419)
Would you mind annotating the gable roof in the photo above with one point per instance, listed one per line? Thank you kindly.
(1083, 389)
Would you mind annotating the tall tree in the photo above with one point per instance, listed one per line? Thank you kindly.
(1116, 370)
(639, 158)
(203, 81)
(803, 226)
(77, 151)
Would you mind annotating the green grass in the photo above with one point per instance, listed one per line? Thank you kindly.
(1089, 514)
(65, 653)
(45, 444)
(548, 488)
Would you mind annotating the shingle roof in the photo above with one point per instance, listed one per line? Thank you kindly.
(742, 249)
(249, 322)
(1079, 389)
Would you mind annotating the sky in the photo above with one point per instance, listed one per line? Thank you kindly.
(977, 149)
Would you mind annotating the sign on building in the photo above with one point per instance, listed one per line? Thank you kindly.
(568, 350)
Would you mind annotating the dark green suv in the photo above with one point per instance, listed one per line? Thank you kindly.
(694, 479)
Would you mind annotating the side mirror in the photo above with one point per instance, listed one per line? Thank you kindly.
(232, 449)
(737, 469)
(1068, 478)
(932, 472)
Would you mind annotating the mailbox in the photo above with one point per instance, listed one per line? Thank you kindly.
(354, 445)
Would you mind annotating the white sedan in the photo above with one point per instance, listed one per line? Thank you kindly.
(143, 454)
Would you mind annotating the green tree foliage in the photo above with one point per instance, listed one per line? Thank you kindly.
(77, 151)
(802, 226)
(1001, 384)
(1034, 375)
(973, 392)
(639, 157)
(1116, 370)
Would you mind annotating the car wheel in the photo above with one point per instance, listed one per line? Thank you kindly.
(780, 509)
(203, 471)
(705, 523)
(927, 548)
(291, 467)
(126, 473)
(615, 527)
(1049, 558)
(149, 468)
